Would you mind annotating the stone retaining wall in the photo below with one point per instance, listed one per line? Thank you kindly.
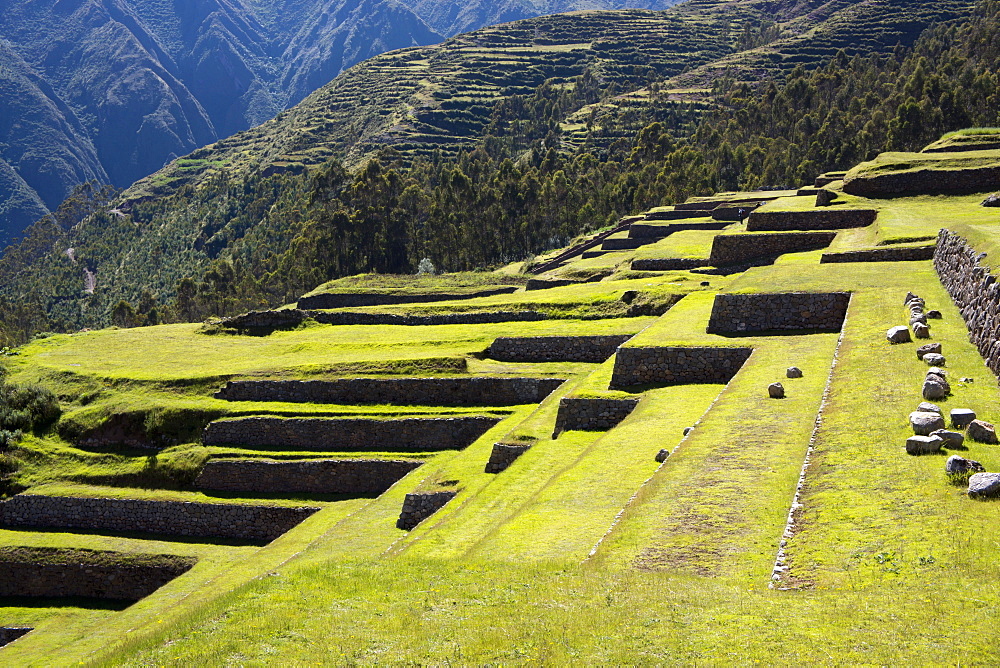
(361, 318)
(821, 219)
(586, 414)
(738, 313)
(676, 214)
(125, 582)
(349, 434)
(676, 365)
(505, 454)
(555, 348)
(9, 634)
(928, 181)
(356, 299)
(625, 244)
(482, 391)
(358, 477)
(202, 520)
(730, 249)
(653, 232)
(667, 264)
(911, 253)
(419, 506)
(975, 292)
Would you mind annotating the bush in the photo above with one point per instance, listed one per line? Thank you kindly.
(25, 408)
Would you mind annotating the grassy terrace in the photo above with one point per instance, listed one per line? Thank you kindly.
(585, 550)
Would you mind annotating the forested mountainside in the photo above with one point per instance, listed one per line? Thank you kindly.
(113, 89)
(253, 239)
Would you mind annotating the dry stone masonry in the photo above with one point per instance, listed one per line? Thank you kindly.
(592, 414)
(419, 506)
(201, 520)
(676, 365)
(505, 454)
(822, 219)
(737, 313)
(485, 391)
(923, 181)
(907, 254)
(360, 477)
(357, 299)
(667, 264)
(349, 434)
(555, 348)
(735, 249)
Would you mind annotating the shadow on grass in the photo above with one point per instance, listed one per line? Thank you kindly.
(63, 602)
(139, 535)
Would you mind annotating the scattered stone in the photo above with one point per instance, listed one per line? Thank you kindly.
(926, 407)
(934, 359)
(992, 200)
(952, 439)
(687, 430)
(934, 314)
(916, 302)
(966, 380)
(928, 348)
(941, 380)
(824, 197)
(921, 331)
(776, 391)
(933, 390)
(909, 297)
(705, 284)
(898, 334)
(629, 296)
(937, 371)
(958, 465)
(982, 432)
(918, 318)
(984, 485)
(662, 455)
(924, 423)
(962, 417)
(793, 372)
(923, 445)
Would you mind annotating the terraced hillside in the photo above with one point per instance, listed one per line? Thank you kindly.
(595, 467)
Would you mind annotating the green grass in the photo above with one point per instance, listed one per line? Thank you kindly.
(423, 283)
(897, 162)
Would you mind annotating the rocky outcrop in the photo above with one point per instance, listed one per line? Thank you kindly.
(739, 313)
(730, 249)
(676, 365)
(419, 506)
(355, 477)
(592, 414)
(555, 348)
(822, 219)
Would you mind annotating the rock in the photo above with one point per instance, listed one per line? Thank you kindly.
(662, 455)
(898, 334)
(992, 200)
(928, 348)
(938, 371)
(793, 372)
(982, 432)
(629, 296)
(934, 315)
(921, 331)
(909, 297)
(984, 485)
(705, 284)
(926, 407)
(940, 380)
(924, 423)
(958, 465)
(934, 359)
(916, 302)
(952, 439)
(966, 380)
(961, 417)
(687, 430)
(923, 445)
(824, 197)
(776, 391)
(918, 318)
(933, 390)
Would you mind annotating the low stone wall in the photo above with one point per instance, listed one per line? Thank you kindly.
(676, 365)
(730, 249)
(911, 253)
(975, 292)
(676, 214)
(928, 181)
(555, 348)
(732, 213)
(362, 318)
(625, 244)
(52, 573)
(419, 506)
(202, 520)
(667, 264)
(653, 232)
(356, 299)
(546, 283)
(359, 477)
(479, 391)
(349, 434)
(9, 634)
(505, 454)
(586, 414)
(820, 219)
(738, 313)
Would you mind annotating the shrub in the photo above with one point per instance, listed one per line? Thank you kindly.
(425, 267)
(25, 408)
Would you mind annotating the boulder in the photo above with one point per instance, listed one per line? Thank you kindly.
(909, 297)
(921, 331)
(916, 301)
(662, 455)
(793, 372)
(923, 445)
(687, 430)
(992, 200)
(924, 423)
(934, 359)
(776, 391)
(898, 334)
(952, 439)
(934, 314)
(984, 485)
(940, 380)
(961, 417)
(824, 197)
(928, 348)
(933, 390)
(927, 407)
(918, 318)
(982, 432)
(958, 465)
